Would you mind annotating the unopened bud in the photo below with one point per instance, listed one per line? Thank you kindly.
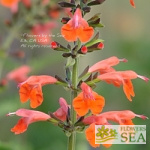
(54, 45)
(84, 49)
(64, 20)
(100, 45)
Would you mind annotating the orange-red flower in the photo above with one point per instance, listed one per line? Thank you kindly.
(105, 65)
(132, 3)
(90, 136)
(28, 117)
(88, 100)
(19, 74)
(32, 89)
(122, 78)
(9, 3)
(77, 27)
(123, 117)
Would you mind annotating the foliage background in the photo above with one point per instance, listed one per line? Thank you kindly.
(126, 35)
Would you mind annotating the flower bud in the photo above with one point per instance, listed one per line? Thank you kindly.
(54, 45)
(64, 20)
(100, 45)
(84, 49)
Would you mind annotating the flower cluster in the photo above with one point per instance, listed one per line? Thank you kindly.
(86, 105)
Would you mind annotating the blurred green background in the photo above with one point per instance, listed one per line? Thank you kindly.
(126, 34)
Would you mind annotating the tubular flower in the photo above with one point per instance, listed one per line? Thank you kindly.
(122, 117)
(88, 100)
(90, 136)
(77, 27)
(105, 65)
(19, 74)
(122, 77)
(61, 113)
(32, 89)
(132, 3)
(28, 117)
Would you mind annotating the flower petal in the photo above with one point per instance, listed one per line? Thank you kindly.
(80, 106)
(128, 89)
(21, 126)
(90, 135)
(96, 106)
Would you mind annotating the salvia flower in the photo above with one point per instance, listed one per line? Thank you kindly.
(123, 117)
(28, 117)
(31, 116)
(118, 78)
(88, 100)
(32, 89)
(77, 27)
(19, 74)
(105, 65)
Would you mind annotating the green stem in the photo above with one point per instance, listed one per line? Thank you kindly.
(72, 138)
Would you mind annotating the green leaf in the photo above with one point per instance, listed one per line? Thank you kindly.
(84, 72)
(94, 18)
(92, 42)
(99, 25)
